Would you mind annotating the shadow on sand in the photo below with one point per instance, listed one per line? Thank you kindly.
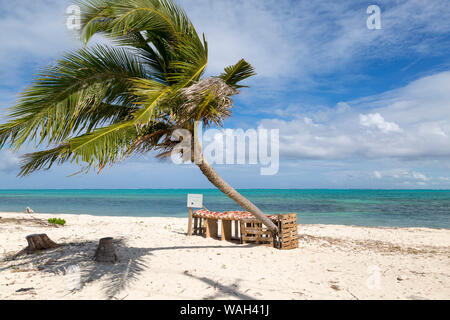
(76, 259)
(222, 290)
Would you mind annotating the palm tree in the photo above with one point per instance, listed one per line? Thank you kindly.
(101, 104)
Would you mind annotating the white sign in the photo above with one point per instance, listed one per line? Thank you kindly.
(195, 201)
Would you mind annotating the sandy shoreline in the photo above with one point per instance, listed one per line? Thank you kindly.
(158, 261)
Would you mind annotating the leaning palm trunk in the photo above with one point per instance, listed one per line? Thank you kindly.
(223, 186)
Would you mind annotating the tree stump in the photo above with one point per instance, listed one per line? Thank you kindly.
(105, 251)
(35, 242)
(39, 242)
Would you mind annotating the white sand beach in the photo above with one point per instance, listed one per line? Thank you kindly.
(158, 261)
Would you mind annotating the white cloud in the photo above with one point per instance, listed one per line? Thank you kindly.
(8, 161)
(303, 38)
(376, 120)
(284, 40)
(418, 126)
(34, 34)
(419, 176)
(407, 176)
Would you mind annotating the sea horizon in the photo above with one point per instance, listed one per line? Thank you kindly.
(373, 189)
(361, 207)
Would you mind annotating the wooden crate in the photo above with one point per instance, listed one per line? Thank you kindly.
(288, 235)
(253, 231)
(199, 226)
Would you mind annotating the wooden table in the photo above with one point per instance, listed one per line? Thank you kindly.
(248, 230)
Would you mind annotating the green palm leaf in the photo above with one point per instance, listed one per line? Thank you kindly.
(64, 98)
(237, 73)
(104, 145)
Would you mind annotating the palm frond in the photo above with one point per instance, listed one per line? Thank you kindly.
(95, 18)
(190, 61)
(114, 18)
(95, 150)
(72, 96)
(151, 95)
(44, 159)
(177, 52)
(104, 145)
(237, 73)
(149, 55)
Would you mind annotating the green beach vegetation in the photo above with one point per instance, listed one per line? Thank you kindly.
(57, 221)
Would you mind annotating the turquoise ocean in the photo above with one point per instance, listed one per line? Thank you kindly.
(397, 208)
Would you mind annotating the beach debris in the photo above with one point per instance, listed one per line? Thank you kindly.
(352, 294)
(29, 210)
(335, 287)
(402, 277)
(24, 289)
(13, 270)
(44, 223)
(30, 219)
(105, 251)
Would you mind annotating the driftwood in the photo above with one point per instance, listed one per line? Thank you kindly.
(43, 222)
(105, 251)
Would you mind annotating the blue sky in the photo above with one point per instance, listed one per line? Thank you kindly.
(356, 108)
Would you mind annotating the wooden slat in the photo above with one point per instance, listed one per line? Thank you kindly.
(236, 229)
(189, 231)
(226, 230)
(211, 228)
(195, 226)
(253, 231)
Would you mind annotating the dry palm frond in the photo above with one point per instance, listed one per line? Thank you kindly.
(214, 89)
